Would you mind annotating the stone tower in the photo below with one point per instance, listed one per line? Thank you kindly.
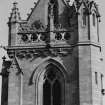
(55, 54)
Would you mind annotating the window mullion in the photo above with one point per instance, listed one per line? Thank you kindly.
(51, 93)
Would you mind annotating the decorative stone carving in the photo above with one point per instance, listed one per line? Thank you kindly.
(38, 25)
(29, 54)
(40, 37)
(11, 53)
(69, 2)
(34, 53)
(34, 37)
(62, 36)
(44, 36)
(58, 36)
(24, 37)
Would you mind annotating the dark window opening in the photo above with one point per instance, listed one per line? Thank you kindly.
(56, 93)
(101, 81)
(52, 88)
(51, 75)
(96, 78)
(84, 17)
(94, 20)
(47, 93)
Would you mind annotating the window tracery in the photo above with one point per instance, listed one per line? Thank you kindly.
(52, 87)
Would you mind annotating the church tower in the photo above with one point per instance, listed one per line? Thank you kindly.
(55, 54)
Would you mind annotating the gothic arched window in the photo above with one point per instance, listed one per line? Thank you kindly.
(52, 87)
(84, 17)
(94, 19)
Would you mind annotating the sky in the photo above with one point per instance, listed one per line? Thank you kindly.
(25, 8)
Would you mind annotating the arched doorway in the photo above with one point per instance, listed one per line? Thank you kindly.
(50, 86)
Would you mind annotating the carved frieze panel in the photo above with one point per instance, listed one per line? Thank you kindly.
(37, 37)
(44, 38)
(43, 52)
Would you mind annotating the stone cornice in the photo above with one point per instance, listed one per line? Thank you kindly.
(30, 52)
(85, 43)
(81, 43)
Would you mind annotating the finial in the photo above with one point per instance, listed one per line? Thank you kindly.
(15, 3)
(15, 14)
(4, 58)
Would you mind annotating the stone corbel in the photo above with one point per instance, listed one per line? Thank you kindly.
(27, 54)
(61, 51)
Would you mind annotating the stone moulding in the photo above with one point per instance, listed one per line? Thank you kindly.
(43, 51)
(30, 53)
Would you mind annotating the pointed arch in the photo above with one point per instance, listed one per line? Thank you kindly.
(40, 68)
(49, 78)
(53, 84)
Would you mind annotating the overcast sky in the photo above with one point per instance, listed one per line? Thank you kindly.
(24, 7)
